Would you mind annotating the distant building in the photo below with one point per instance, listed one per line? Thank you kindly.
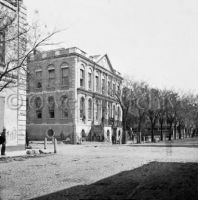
(73, 95)
(13, 98)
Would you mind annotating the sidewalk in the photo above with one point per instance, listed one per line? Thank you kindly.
(15, 151)
(12, 151)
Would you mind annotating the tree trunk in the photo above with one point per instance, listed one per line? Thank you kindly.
(139, 132)
(124, 130)
(170, 132)
(152, 133)
(179, 130)
(161, 131)
(175, 131)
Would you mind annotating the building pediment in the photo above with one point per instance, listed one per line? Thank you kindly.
(105, 63)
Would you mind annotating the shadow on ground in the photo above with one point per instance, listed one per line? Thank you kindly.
(156, 180)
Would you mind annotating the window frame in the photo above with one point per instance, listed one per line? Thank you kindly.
(65, 78)
(97, 109)
(38, 108)
(82, 107)
(38, 78)
(51, 110)
(63, 116)
(90, 79)
(51, 80)
(97, 81)
(82, 76)
(90, 105)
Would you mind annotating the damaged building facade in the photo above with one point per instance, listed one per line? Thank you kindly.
(13, 96)
(74, 96)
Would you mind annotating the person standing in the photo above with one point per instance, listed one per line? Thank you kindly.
(27, 139)
(3, 147)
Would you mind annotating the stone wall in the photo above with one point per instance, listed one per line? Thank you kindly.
(39, 131)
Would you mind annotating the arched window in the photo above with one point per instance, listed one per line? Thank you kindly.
(97, 109)
(118, 113)
(64, 74)
(114, 89)
(109, 87)
(51, 107)
(97, 82)
(103, 84)
(104, 108)
(82, 76)
(82, 108)
(38, 75)
(64, 106)
(51, 76)
(90, 79)
(89, 109)
(109, 110)
(114, 111)
(38, 106)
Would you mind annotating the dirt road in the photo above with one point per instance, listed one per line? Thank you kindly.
(79, 165)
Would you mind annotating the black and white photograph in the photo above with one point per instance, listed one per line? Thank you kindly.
(99, 99)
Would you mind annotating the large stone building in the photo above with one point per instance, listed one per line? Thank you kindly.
(73, 95)
(13, 97)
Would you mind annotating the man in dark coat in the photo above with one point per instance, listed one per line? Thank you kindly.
(3, 141)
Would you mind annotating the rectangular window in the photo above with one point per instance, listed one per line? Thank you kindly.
(110, 110)
(114, 111)
(89, 109)
(97, 84)
(81, 78)
(114, 89)
(51, 114)
(103, 86)
(89, 81)
(51, 107)
(109, 88)
(65, 113)
(118, 90)
(38, 75)
(97, 110)
(51, 79)
(64, 107)
(65, 76)
(39, 114)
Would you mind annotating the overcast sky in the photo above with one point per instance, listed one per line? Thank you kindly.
(151, 40)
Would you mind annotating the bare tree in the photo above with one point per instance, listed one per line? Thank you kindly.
(123, 97)
(16, 46)
(153, 109)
